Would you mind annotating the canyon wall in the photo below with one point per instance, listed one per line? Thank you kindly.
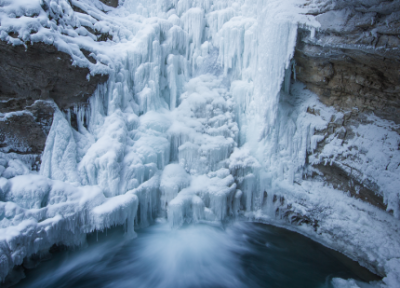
(353, 59)
(352, 62)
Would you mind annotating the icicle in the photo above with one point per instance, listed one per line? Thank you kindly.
(69, 116)
(288, 74)
(286, 81)
(294, 70)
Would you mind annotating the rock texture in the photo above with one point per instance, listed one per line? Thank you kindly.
(25, 132)
(40, 72)
(112, 3)
(32, 79)
(339, 174)
(353, 63)
(353, 60)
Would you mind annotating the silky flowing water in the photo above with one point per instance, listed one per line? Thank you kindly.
(240, 255)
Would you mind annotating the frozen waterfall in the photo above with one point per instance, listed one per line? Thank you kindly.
(198, 122)
(169, 109)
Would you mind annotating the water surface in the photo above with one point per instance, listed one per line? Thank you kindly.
(241, 255)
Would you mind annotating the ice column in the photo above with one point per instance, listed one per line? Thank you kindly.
(59, 161)
(276, 42)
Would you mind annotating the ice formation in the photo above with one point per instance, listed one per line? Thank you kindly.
(198, 122)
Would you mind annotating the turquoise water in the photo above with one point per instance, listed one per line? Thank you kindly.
(240, 255)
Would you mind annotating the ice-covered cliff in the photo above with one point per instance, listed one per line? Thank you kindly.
(199, 121)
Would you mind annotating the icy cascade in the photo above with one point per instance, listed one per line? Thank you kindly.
(192, 125)
(148, 115)
(131, 134)
(276, 42)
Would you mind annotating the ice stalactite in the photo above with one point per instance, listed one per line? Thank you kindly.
(177, 75)
(276, 42)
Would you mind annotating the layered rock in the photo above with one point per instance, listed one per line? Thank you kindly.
(353, 60)
(352, 63)
(343, 171)
(40, 72)
(33, 79)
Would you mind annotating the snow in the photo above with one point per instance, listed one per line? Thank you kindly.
(198, 122)
(15, 167)
(375, 159)
(39, 212)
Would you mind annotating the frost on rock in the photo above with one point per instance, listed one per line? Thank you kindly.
(198, 122)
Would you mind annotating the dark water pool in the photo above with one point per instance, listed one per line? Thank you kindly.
(241, 255)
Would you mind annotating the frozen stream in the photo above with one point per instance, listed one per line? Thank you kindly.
(241, 255)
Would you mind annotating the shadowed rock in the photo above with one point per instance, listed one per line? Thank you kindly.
(112, 3)
(31, 81)
(40, 73)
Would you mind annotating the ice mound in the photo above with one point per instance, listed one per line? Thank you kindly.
(38, 212)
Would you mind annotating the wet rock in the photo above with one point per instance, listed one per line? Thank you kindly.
(287, 213)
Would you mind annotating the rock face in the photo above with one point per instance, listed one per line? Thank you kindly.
(25, 132)
(112, 3)
(340, 172)
(353, 60)
(40, 73)
(31, 81)
(352, 63)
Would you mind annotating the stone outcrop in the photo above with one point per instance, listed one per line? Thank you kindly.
(40, 72)
(32, 79)
(353, 60)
